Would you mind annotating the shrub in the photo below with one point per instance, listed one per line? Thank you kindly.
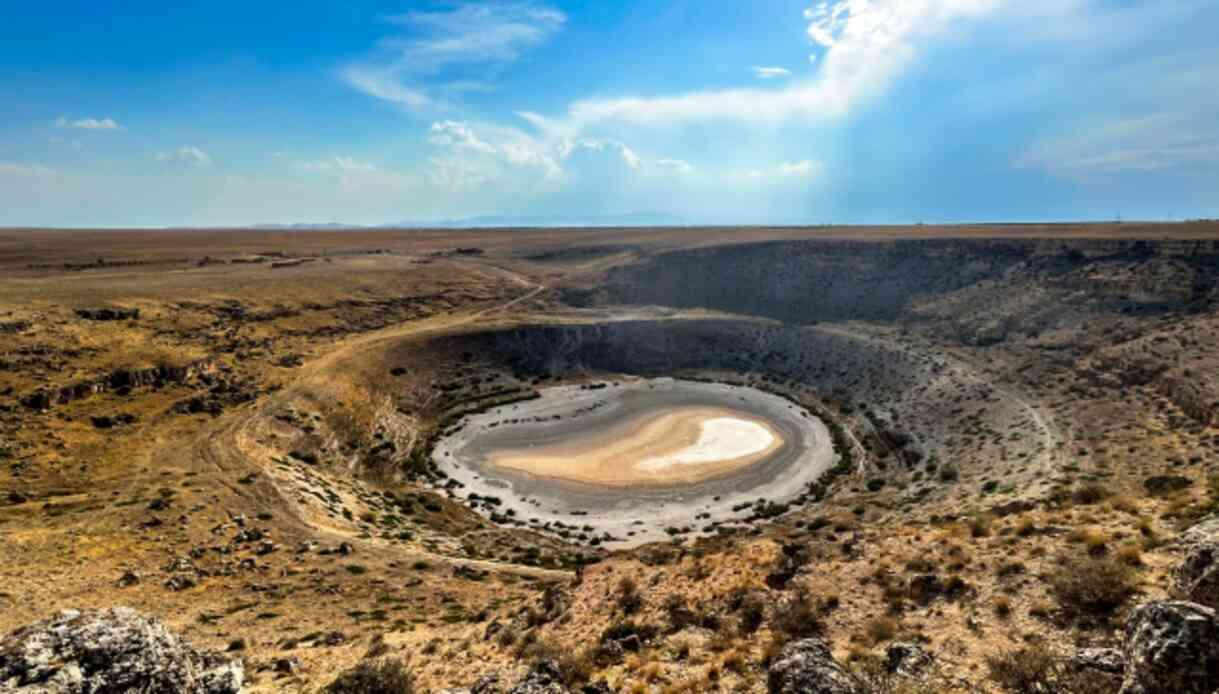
(752, 612)
(798, 619)
(1092, 586)
(1092, 493)
(1034, 670)
(575, 666)
(979, 525)
(1094, 539)
(629, 600)
(388, 676)
(1026, 671)
(881, 629)
(1003, 606)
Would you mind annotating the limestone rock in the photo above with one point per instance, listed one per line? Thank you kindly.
(807, 667)
(1172, 647)
(114, 650)
(1107, 660)
(1204, 532)
(1197, 577)
(907, 659)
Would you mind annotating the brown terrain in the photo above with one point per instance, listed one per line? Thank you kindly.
(230, 430)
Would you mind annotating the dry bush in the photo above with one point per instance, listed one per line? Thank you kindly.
(1003, 606)
(576, 666)
(1130, 553)
(979, 525)
(629, 599)
(1091, 493)
(1092, 586)
(388, 676)
(799, 619)
(1034, 670)
(1092, 538)
(1124, 504)
(881, 629)
(1025, 527)
(1026, 671)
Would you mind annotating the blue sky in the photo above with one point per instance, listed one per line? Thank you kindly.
(716, 111)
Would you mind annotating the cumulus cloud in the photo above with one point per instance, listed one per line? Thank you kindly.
(188, 155)
(458, 135)
(567, 147)
(770, 73)
(88, 123)
(402, 68)
(506, 146)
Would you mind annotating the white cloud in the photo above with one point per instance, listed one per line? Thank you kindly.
(469, 34)
(507, 146)
(459, 136)
(567, 147)
(678, 165)
(866, 44)
(799, 168)
(188, 155)
(340, 164)
(769, 73)
(1161, 142)
(383, 83)
(806, 168)
(88, 124)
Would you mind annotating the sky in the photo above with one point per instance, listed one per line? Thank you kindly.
(222, 113)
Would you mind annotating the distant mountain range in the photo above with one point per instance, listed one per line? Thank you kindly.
(633, 219)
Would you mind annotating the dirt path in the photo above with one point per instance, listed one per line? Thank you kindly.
(228, 448)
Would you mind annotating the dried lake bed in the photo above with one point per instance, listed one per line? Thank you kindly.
(628, 461)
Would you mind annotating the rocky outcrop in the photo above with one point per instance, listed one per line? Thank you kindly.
(807, 667)
(1171, 647)
(1105, 660)
(115, 650)
(544, 678)
(906, 659)
(1197, 578)
(120, 380)
(108, 314)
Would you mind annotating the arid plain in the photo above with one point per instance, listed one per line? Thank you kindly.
(233, 431)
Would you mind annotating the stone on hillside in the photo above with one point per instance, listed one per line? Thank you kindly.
(114, 650)
(807, 667)
(544, 678)
(1172, 647)
(907, 659)
(1107, 660)
(1197, 577)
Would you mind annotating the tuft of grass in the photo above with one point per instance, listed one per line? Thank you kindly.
(1003, 606)
(1092, 538)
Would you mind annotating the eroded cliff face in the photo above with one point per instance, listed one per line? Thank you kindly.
(908, 404)
(1115, 313)
(988, 289)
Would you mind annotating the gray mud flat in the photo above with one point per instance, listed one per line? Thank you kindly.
(633, 515)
